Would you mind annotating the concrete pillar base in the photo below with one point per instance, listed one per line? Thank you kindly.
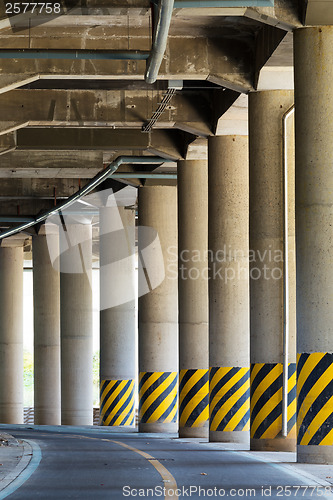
(76, 417)
(159, 427)
(241, 437)
(277, 444)
(11, 413)
(194, 432)
(43, 415)
(311, 454)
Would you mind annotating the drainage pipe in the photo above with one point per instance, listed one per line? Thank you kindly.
(286, 322)
(165, 8)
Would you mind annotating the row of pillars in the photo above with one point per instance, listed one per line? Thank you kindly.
(213, 329)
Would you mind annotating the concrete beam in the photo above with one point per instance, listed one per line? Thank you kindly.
(216, 59)
(284, 14)
(7, 143)
(50, 165)
(168, 144)
(58, 164)
(40, 188)
(235, 120)
(278, 72)
(28, 197)
(188, 111)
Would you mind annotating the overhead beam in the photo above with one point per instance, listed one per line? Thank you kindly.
(215, 59)
(51, 165)
(30, 196)
(188, 111)
(168, 144)
(7, 143)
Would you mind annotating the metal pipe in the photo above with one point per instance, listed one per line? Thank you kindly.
(286, 278)
(98, 179)
(74, 54)
(165, 8)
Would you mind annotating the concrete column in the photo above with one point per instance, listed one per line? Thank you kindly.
(76, 325)
(46, 290)
(158, 309)
(266, 112)
(228, 242)
(314, 234)
(117, 316)
(193, 298)
(11, 334)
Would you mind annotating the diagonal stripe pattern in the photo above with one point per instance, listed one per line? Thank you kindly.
(315, 399)
(193, 398)
(229, 399)
(117, 402)
(266, 400)
(158, 397)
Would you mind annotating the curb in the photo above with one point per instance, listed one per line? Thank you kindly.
(27, 465)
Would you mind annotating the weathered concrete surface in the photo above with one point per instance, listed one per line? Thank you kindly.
(222, 56)
(314, 183)
(103, 108)
(169, 144)
(50, 165)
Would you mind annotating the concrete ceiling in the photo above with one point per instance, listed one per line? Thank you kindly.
(63, 120)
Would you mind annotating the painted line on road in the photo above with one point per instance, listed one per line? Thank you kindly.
(170, 487)
(24, 469)
(164, 473)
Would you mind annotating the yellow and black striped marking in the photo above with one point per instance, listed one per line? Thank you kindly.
(229, 399)
(117, 402)
(266, 400)
(193, 398)
(158, 397)
(315, 399)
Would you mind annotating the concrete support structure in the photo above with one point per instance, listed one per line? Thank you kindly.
(314, 199)
(266, 113)
(46, 289)
(193, 298)
(76, 325)
(158, 309)
(11, 334)
(117, 315)
(228, 237)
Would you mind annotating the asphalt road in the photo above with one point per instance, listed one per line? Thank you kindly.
(100, 464)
